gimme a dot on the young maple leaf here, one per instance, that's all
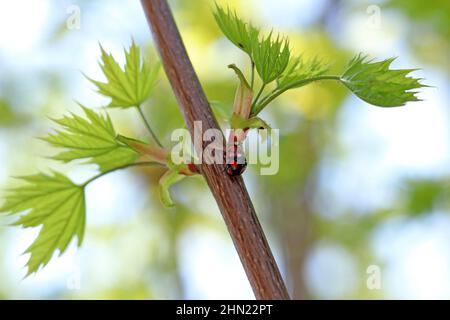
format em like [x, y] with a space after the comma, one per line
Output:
[53, 202]
[93, 138]
[376, 84]
[127, 87]
[241, 34]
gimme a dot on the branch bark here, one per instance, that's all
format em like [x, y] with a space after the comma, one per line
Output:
[230, 192]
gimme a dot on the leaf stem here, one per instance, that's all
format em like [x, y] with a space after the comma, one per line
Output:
[274, 94]
[147, 125]
[135, 164]
[258, 95]
[252, 79]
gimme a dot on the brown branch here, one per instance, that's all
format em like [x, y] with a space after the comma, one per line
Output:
[230, 192]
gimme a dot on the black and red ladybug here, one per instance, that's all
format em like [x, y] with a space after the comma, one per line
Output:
[235, 161]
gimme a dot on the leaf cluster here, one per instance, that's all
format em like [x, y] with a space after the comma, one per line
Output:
[53, 201]
[373, 82]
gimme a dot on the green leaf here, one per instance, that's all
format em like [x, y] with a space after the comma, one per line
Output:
[376, 84]
[132, 85]
[271, 57]
[93, 138]
[167, 180]
[371, 81]
[241, 34]
[53, 202]
[298, 70]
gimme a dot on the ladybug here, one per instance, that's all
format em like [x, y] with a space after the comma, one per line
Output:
[235, 161]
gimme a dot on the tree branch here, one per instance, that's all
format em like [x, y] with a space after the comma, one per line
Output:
[230, 192]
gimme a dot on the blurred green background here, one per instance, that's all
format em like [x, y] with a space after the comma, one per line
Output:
[358, 185]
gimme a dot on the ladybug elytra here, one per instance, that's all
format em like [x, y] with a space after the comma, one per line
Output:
[235, 161]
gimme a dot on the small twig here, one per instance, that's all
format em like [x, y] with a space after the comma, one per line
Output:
[252, 79]
[258, 95]
[147, 125]
[257, 108]
[129, 165]
[230, 192]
